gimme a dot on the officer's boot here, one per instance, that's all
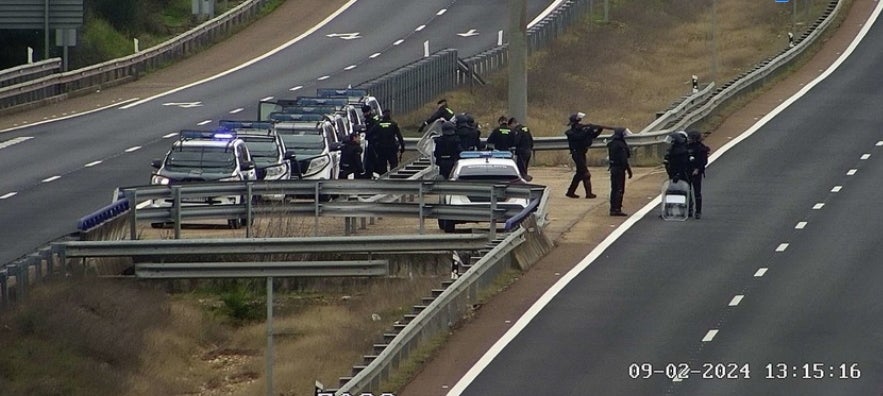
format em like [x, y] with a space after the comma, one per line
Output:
[698, 214]
[587, 183]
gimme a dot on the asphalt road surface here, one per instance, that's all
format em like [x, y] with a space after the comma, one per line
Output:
[774, 292]
[60, 171]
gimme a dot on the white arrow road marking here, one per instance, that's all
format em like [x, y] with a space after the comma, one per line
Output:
[8, 195]
[345, 36]
[51, 179]
[470, 33]
[183, 105]
[17, 140]
[91, 164]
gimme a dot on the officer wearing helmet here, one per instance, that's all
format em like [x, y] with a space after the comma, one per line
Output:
[618, 153]
[677, 159]
[579, 139]
[442, 112]
[351, 157]
[698, 154]
[447, 150]
[371, 160]
[468, 134]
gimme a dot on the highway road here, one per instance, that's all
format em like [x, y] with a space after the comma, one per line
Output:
[59, 171]
[776, 291]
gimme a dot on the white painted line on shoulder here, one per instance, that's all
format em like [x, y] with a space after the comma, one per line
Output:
[323, 78]
[851, 172]
[266, 99]
[46, 121]
[204, 122]
[399, 41]
[419, 28]
[865, 156]
[51, 179]
[133, 148]
[17, 140]
[350, 67]
[374, 55]
[782, 247]
[8, 195]
[836, 188]
[441, 11]
[91, 164]
[295, 88]
[736, 300]
[234, 111]
[170, 135]
[801, 225]
[710, 335]
[760, 272]
[818, 206]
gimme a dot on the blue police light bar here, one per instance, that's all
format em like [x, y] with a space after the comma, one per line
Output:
[215, 135]
[486, 154]
[348, 92]
[276, 116]
[319, 101]
[236, 124]
[309, 109]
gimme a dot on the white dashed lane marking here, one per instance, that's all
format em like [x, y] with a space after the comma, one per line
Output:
[170, 135]
[419, 28]
[91, 164]
[441, 11]
[851, 172]
[399, 41]
[17, 140]
[374, 55]
[801, 225]
[760, 272]
[266, 99]
[736, 300]
[134, 148]
[866, 156]
[204, 122]
[782, 247]
[234, 111]
[880, 143]
[323, 78]
[710, 335]
[296, 88]
[51, 179]
[8, 195]
[818, 206]
[836, 188]
[350, 67]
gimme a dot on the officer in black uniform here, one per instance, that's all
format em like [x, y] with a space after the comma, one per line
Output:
[468, 134]
[447, 150]
[523, 146]
[442, 112]
[698, 153]
[677, 159]
[470, 121]
[618, 153]
[501, 138]
[388, 144]
[371, 160]
[351, 157]
[579, 139]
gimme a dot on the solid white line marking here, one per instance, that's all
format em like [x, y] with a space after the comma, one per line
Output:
[710, 335]
[550, 293]
[169, 135]
[91, 164]
[736, 300]
[234, 111]
[851, 172]
[323, 78]
[204, 122]
[26, 125]
[350, 67]
[266, 99]
[836, 188]
[399, 41]
[133, 148]
[51, 179]
[374, 55]
[441, 11]
[760, 272]
[8, 195]
[296, 88]
[255, 60]
[801, 225]
[782, 247]
[865, 156]
[818, 206]
[419, 28]
[17, 140]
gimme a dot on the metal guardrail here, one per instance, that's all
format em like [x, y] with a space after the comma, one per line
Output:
[30, 71]
[128, 68]
[262, 269]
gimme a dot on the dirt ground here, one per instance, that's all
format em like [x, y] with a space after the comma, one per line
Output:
[577, 224]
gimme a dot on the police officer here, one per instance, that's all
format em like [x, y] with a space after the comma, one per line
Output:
[468, 134]
[618, 154]
[388, 144]
[370, 157]
[579, 139]
[351, 157]
[523, 146]
[470, 121]
[442, 112]
[677, 159]
[698, 153]
[447, 150]
[501, 138]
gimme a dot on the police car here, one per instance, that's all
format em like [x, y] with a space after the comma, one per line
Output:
[492, 167]
[204, 156]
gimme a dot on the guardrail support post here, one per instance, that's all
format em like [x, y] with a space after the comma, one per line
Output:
[4, 289]
[420, 206]
[131, 195]
[316, 202]
[21, 281]
[492, 232]
[176, 210]
[269, 352]
[248, 216]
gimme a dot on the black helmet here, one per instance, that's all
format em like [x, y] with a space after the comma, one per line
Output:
[460, 118]
[447, 128]
[366, 108]
[470, 120]
[694, 136]
[576, 117]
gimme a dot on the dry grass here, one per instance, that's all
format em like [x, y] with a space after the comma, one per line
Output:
[118, 338]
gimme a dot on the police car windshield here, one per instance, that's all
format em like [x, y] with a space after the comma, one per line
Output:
[216, 159]
[304, 145]
[489, 173]
[263, 148]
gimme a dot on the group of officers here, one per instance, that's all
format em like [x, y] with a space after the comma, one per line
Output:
[685, 159]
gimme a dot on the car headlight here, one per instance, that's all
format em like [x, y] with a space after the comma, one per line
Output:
[159, 180]
[274, 172]
[317, 164]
